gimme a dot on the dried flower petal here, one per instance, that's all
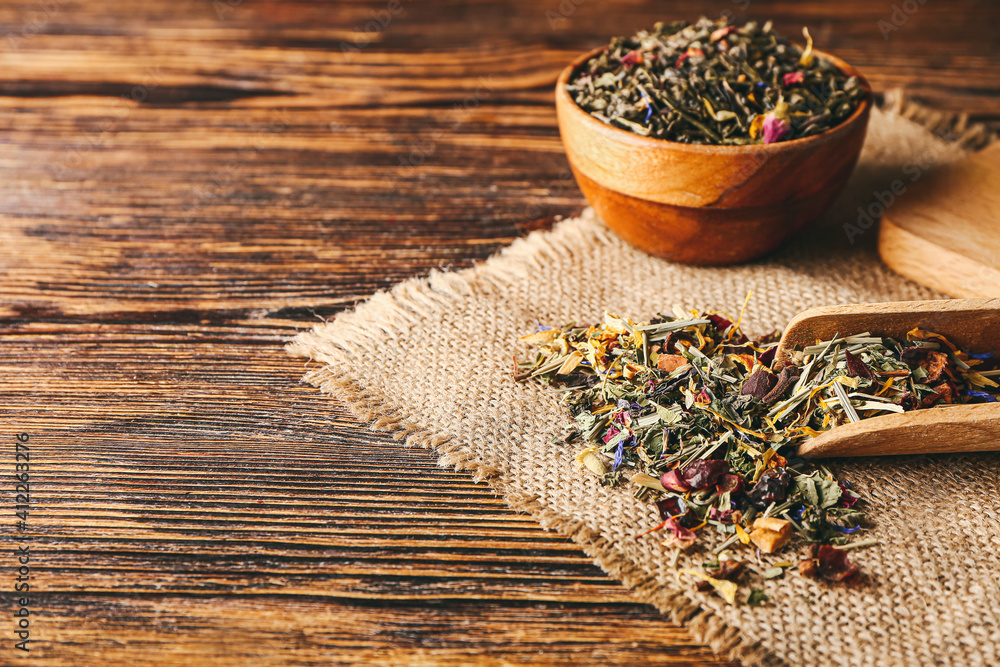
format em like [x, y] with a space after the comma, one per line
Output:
[672, 480]
[728, 570]
[834, 565]
[672, 506]
[857, 368]
[986, 398]
[932, 361]
[722, 517]
[731, 484]
[726, 589]
[767, 358]
[792, 78]
[632, 58]
[703, 473]
[775, 129]
[682, 537]
[806, 59]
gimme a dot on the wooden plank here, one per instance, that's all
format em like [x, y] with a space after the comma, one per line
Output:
[945, 233]
[196, 504]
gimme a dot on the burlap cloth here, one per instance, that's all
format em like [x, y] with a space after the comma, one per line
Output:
[431, 361]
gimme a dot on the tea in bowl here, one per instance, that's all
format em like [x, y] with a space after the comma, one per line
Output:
[721, 186]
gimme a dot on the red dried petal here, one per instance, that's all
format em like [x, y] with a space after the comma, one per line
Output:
[775, 129]
[703, 473]
[857, 368]
[683, 537]
[719, 322]
[834, 565]
[731, 484]
[672, 507]
[722, 517]
[767, 358]
[632, 58]
[672, 480]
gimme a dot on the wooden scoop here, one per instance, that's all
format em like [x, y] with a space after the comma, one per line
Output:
[971, 324]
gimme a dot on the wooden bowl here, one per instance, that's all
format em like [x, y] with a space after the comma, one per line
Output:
[707, 205]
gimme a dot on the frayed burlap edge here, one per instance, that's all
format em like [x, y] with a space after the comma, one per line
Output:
[387, 314]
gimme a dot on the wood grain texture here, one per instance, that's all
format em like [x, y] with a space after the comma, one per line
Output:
[272, 163]
[971, 324]
[968, 323]
[945, 233]
[944, 430]
[703, 204]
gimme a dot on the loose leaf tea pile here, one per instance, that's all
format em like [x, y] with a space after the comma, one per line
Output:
[715, 83]
[700, 418]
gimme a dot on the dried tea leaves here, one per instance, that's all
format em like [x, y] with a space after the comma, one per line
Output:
[715, 83]
[692, 412]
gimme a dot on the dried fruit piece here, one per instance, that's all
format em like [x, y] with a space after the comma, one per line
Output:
[670, 362]
[834, 565]
[759, 384]
[771, 534]
[786, 379]
[771, 487]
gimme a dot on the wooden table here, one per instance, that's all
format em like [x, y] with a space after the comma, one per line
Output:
[186, 185]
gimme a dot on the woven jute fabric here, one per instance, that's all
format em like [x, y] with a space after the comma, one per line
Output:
[431, 361]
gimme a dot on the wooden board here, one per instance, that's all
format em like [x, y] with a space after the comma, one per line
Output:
[193, 502]
[944, 231]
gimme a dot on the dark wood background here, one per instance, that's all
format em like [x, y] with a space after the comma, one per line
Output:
[183, 186]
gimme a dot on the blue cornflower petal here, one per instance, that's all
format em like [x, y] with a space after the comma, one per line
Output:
[845, 530]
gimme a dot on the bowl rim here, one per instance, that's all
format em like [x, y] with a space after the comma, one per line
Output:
[564, 99]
